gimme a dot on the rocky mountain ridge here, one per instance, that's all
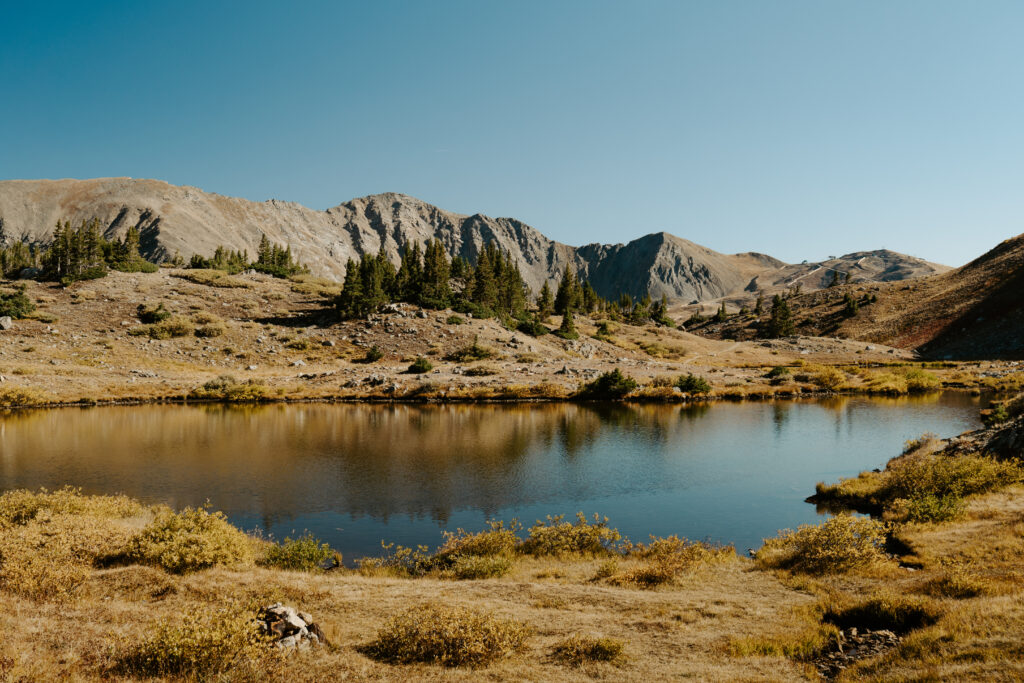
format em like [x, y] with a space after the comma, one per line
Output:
[185, 220]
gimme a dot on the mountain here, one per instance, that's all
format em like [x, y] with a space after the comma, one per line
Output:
[973, 312]
[969, 313]
[185, 220]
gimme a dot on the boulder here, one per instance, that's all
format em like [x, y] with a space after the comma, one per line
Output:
[6, 322]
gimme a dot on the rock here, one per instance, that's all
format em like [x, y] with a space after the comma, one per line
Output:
[252, 367]
[305, 616]
[298, 363]
[6, 323]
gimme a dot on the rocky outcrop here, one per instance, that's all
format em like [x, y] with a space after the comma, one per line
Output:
[185, 220]
[851, 646]
[289, 628]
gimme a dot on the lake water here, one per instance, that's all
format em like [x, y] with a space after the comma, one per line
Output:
[358, 474]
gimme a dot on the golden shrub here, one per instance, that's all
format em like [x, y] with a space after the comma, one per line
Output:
[578, 650]
[190, 540]
[198, 645]
[450, 636]
[841, 543]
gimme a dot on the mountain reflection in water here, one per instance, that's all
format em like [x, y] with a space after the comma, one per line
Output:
[356, 474]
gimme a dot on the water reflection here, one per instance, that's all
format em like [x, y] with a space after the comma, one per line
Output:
[355, 474]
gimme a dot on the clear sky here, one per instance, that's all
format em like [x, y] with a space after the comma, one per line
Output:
[797, 128]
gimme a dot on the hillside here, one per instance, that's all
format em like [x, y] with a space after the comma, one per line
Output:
[185, 220]
[970, 313]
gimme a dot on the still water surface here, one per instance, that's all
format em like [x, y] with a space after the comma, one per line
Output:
[356, 474]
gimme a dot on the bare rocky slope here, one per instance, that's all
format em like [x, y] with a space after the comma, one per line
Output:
[185, 220]
[974, 312]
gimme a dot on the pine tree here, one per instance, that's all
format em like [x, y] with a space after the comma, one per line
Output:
[545, 302]
[566, 296]
[780, 324]
[759, 306]
[350, 300]
[485, 290]
[437, 290]
[567, 330]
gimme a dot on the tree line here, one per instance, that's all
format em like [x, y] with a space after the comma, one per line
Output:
[75, 253]
[491, 287]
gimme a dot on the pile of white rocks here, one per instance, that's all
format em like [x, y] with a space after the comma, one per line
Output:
[290, 628]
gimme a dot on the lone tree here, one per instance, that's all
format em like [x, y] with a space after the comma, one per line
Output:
[780, 324]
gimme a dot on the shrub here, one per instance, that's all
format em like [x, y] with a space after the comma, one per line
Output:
[16, 304]
[472, 352]
[692, 384]
[482, 371]
[305, 553]
[450, 636]
[471, 567]
[210, 330]
[300, 345]
[373, 354]
[829, 378]
[420, 366]
[930, 487]
[188, 541]
[610, 385]
[151, 314]
[578, 650]
[559, 537]
[227, 388]
[841, 543]
[174, 326]
[532, 327]
[198, 646]
[205, 318]
[780, 374]
[669, 557]
[496, 539]
[455, 320]
[21, 397]
[398, 560]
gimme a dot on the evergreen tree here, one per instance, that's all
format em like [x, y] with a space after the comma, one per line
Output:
[485, 289]
[835, 279]
[722, 315]
[566, 296]
[567, 330]
[545, 302]
[349, 302]
[780, 324]
[436, 290]
[589, 298]
[759, 306]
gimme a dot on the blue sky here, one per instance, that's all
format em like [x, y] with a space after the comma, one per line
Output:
[800, 129]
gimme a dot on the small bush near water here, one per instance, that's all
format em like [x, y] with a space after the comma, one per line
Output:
[305, 553]
[923, 487]
[693, 384]
[559, 537]
[664, 559]
[227, 388]
[610, 385]
[192, 539]
[449, 636]
[841, 543]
